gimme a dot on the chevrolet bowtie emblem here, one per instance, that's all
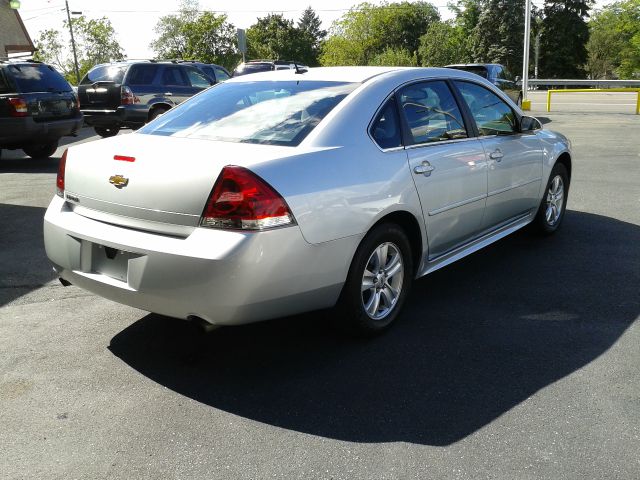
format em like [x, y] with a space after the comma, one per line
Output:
[118, 181]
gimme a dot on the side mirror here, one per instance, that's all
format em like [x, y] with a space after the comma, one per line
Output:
[529, 124]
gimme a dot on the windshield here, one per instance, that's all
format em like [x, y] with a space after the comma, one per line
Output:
[266, 112]
[105, 73]
[38, 78]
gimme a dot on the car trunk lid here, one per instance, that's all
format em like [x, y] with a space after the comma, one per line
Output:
[150, 182]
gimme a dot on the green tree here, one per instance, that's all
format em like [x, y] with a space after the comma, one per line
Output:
[614, 41]
[275, 38]
[195, 35]
[310, 28]
[95, 43]
[563, 39]
[368, 30]
[444, 43]
[391, 57]
[498, 35]
[466, 20]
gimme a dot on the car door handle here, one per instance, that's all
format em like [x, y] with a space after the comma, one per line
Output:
[168, 94]
[425, 169]
[496, 155]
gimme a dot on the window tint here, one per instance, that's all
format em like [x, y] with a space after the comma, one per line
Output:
[477, 69]
[38, 78]
[197, 78]
[105, 73]
[4, 83]
[492, 115]
[142, 74]
[431, 112]
[271, 113]
[500, 74]
[173, 76]
[221, 75]
[386, 128]
[209, 72]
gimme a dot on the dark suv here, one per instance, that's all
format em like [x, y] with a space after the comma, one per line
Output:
[496, 74]
[37, 108]
[131, 93]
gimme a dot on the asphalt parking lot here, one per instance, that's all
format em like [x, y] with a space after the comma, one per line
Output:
[520, 362]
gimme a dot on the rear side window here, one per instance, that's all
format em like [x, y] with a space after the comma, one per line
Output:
[478, 70]
[4, 83]
[38, 78]
[173, 76]
[385, 130]
[142, 74]
[105, 73]
[431, 112]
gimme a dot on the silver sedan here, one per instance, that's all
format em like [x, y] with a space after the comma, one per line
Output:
[279, 193]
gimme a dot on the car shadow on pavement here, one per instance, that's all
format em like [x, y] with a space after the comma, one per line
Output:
[20, 163]
[23, 263]
[475, 340]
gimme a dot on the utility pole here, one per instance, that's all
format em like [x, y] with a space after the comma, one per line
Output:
[527, 35]
[537, 50]
[73, 44]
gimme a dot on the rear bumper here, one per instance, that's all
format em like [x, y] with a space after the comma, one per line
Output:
[20, 131]
[123, 116]
[224, 277]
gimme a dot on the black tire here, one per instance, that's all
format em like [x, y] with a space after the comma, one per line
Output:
[156, 112]
[106, 132]
[41, 150]
[351, 313]
[542, 224]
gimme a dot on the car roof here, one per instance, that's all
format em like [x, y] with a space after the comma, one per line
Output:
[350, 74]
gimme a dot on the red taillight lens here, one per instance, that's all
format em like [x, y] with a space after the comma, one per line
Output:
[127, 97]
[60, 178]
[242, 200]
[18, 107]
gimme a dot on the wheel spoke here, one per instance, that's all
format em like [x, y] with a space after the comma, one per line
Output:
[389, 297]
[549, 213]
[373, 304]
[381, 254]
[396, 266]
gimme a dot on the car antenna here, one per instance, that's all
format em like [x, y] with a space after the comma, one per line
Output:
[298, 71]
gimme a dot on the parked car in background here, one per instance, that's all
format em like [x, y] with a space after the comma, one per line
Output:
[276, 193]
[496, 74]
[131, 93]
[217, 73]
[37, 108]
[256, 66]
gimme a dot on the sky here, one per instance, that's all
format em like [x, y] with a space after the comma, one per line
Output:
[134, 20]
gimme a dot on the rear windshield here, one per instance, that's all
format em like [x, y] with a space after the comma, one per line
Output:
[105, 73]
[482, 71]
[38, 78]
[253, 68]
[271, 113]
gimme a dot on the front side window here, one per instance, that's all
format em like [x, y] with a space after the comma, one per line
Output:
[265, 112]
[491, 114]
[431, 112]
[221, 75]
[197, 79]
[385, 130]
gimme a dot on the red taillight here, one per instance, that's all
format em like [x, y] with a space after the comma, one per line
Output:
[127, 97]
[60, 178]
[242, 200]
[124, 158]
[18, 107]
